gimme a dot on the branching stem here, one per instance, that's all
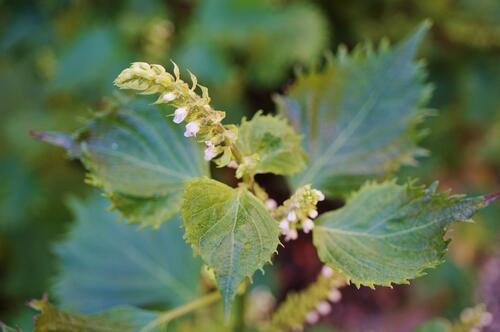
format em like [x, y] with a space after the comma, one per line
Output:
[182, 310]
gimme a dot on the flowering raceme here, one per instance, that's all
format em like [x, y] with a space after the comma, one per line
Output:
[203, 122]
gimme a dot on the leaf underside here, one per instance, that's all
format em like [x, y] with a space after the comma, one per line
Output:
[359, 114]
[230, 229]
[389, 233]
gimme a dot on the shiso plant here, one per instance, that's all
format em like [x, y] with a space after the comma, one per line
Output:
[341, 130]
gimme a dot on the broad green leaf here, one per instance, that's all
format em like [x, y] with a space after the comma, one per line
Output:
[276, 143]
[389, 233]
[104, 262]
[231, 230]
[139, 158]
[123, 319]
[359, 114]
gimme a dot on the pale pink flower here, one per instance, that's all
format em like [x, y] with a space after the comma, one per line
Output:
[192, 129]
[180, 114]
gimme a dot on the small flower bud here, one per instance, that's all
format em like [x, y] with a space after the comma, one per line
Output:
[313, 214]
[312, 317]
[271, 204]
[486, 319]
[324, 308]
[192, 129]
[291, 235]
[326, 271]
[284, 226]
[334, 295]
[292, 216]
[180, 114]
[169, 96]
[209, 153]
[232, 164]
[307, 225]
[319, 194]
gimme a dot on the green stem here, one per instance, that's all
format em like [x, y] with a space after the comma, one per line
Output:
[182, 310]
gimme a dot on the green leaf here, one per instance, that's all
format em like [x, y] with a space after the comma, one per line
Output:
[104, 262]
[123, 319]
[231, 230]
[389, 233]
[139, 158]
[359, 114]
[275, 142]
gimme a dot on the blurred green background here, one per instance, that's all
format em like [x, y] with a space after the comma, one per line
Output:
[58, 59]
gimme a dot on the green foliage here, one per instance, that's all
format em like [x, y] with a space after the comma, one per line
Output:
[123, 319]
[231, 230]
[275, 144]
[104, 262]
[294, 33]
[358, 114]
[60, 57]
[139, 159]
[389, 233]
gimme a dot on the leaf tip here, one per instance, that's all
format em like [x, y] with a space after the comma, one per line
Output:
[58, 139]
[491, 198]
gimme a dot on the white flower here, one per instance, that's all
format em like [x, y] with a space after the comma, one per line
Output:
[313, 214]
[169, 96]
[312, 317]
[326, 271]
[192, 129]
[284, 226]
[291, 216]
[232, 164]
[334, 295]
[319, 194]
[210, 153]
[291, 235]
[271, 204]
[324, 308]
[180, 114]
[307, 225]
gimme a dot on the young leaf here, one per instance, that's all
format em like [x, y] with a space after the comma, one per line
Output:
[276, 143]
[359, 114]
[104, 262]
[140, 159]
[123, 319]
[389, 233]
[230, 229]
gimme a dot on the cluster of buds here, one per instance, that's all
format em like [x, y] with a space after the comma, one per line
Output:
[298, 212]
[202, 121]
[476, 318]
[324, 307]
